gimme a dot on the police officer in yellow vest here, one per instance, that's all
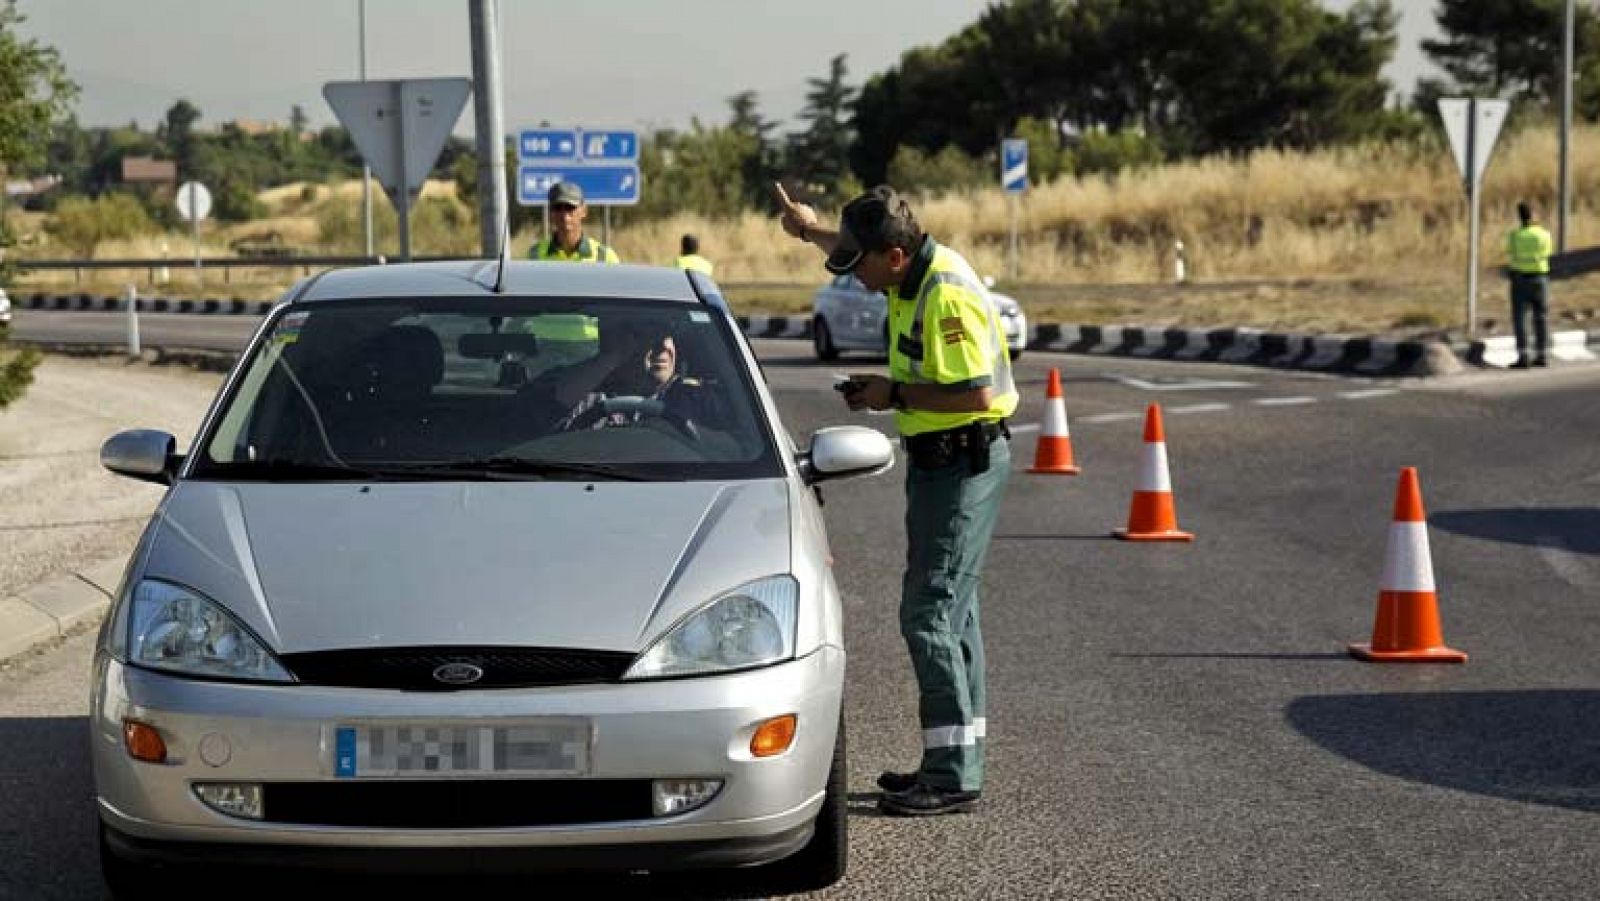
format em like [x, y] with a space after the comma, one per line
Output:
[1529, 250]
[690, 258]
[567, 242]
[951, 388]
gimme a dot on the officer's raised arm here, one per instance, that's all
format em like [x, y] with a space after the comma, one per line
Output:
[800, 220]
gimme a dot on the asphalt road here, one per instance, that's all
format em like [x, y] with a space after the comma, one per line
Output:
[1172, 721]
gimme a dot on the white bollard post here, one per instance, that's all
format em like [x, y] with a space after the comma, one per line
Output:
[1180, 269]
[134, 351]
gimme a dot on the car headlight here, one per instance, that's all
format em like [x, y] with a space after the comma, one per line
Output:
[174, 629]
[751, 626]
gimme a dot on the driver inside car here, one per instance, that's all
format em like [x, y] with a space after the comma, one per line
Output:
[636, 376]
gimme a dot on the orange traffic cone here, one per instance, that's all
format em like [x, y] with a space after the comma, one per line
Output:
[1053, 452]
[1407, 627]
[1152, 516]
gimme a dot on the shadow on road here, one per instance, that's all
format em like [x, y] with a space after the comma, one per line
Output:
[1574, 529]
[1539, 747]
[48, 849]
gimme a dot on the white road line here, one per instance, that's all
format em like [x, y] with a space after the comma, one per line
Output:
[1283, 401]
[1200, 408]
[1370, 392]
[1110, 417]
[1028, 427]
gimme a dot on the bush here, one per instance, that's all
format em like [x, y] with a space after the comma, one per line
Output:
[440, 226]
[916, 171]
[16, 370]
[81, 223]
[1101, 151]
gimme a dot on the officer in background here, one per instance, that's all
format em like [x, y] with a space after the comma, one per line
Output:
[566, 241]
[1528, 248]
[951, 389]
[690, 258]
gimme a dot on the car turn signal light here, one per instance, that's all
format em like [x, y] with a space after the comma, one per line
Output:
[144, 742]
[774, 736]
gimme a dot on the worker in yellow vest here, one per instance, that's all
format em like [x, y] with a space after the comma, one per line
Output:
[567, 242]
[951, 389]
[689, 256]
[1528, 249]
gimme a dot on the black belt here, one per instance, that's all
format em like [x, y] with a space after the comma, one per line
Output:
[932, 450]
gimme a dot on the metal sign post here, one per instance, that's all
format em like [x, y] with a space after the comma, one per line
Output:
[1014, 181]
[1473, 125]
[194, 204]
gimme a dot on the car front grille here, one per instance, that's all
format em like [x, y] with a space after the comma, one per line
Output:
[415, 669]
[457, 804]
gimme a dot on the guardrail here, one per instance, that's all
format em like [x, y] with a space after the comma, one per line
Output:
[226, 264]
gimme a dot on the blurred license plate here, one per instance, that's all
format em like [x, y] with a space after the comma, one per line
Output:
[546, 747]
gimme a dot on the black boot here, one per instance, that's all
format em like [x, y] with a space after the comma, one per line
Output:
[891, 781]
[926, 801]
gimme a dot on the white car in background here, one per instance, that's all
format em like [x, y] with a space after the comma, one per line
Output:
[846, 316]
[5, 307]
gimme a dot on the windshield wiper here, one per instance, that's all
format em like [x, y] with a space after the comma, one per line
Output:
[524, 467]
[282, 470]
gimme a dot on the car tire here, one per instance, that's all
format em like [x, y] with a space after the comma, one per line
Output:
[822, 861]
[822, 340]
[126, 880]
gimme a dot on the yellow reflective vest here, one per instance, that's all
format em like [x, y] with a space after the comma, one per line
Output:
[945, 329]
[587, 251]
[696, 262]
[1529, 250]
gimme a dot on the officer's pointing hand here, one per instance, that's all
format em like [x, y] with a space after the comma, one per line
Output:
[796, 217]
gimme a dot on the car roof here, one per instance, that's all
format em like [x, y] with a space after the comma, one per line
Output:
[467, 278]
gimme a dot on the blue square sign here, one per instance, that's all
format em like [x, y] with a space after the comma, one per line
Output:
[1014, 165]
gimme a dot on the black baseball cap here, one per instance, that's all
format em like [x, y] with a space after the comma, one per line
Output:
[869, 222]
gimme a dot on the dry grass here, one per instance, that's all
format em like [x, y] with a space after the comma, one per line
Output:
[1360, 239]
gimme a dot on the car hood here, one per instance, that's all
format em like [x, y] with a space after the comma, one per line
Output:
[606, 565]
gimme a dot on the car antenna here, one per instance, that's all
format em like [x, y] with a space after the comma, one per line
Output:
[505, 257]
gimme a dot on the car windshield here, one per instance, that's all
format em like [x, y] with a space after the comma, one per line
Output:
[503, 388]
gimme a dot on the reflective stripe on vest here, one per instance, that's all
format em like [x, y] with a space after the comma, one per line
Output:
[998, 353]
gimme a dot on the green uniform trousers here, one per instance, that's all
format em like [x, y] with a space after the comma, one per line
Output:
[950, 517]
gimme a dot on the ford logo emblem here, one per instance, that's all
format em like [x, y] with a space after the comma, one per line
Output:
[458, 673]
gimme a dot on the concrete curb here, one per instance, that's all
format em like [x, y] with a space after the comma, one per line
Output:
[53, 608]
[211, 306]
[1246, 346]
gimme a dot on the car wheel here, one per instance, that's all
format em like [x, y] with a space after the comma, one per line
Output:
[126, 880]
[822, 340]
[822, 861]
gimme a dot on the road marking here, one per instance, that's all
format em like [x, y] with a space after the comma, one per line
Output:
[1369, 392]
[1200, 408]
[1028, 427]
[1573, 569]
[1283, 401]
[1185, 385]
[1110, 417]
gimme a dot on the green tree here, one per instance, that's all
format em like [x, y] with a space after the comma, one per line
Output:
[35, 94]
[762, 163]
[1512, 49]
[176, 131]
[819, 156]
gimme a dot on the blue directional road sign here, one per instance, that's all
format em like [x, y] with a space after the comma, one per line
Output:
[602, 185]
[1014, 165]
[609, 146]
[547, 145]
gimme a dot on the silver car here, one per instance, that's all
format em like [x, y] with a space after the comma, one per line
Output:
[469, 568]
[846, 316]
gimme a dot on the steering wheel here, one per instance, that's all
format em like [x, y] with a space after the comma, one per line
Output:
[648, 409]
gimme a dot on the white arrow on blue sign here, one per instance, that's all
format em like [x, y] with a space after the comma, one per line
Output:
[603, 185]
[1014, 165]
[548, 144]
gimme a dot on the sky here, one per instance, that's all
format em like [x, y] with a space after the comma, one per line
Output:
[597, 64]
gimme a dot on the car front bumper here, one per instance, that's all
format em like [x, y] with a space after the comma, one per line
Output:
[687, 728]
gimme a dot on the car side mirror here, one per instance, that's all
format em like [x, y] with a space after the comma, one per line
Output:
[843, 452]
[144, 454]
